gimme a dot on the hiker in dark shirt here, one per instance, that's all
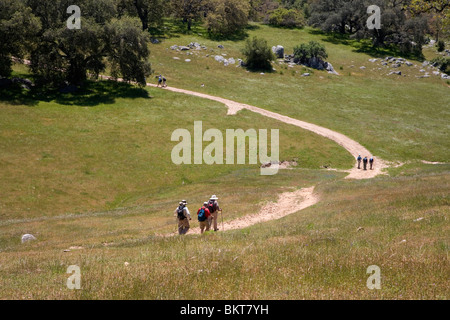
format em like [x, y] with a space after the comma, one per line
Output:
[365, 163]
[359, 161]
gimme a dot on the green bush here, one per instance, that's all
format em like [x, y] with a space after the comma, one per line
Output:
[306, 51]
[440, 46]
[442, 63]
[258, 54]
[289, 18]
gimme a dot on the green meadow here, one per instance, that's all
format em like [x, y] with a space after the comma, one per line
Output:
[92, 171]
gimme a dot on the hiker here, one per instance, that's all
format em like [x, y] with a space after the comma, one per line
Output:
[365, 163]
[160, 81]
[202, 215]
[164, 82]
[371, 163]
[213, 207]
[359, 161]
[183, 216]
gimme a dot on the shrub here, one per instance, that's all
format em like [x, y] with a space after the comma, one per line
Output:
[305, 51]
[289, 18]
[440, 46]
[442, 63]
[258, 54]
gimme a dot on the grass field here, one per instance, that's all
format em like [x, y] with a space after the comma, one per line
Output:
[93, 170]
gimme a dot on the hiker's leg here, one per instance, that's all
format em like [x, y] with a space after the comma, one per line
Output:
[186, 226]
[203, 225]
[215, 215]
[180, 226]
[209, 223]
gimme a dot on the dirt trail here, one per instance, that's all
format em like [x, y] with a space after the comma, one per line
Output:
[350, 145]
[288, 202]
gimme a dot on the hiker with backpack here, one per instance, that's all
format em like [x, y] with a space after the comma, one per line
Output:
[371, 163]
[213, 207]
[183, 216]
[202, 215]
[160, 81]
[365, 163]
[359, 161]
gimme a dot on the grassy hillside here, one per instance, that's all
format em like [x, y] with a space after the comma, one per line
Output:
[90, 175]
[396, 117]
[320, 253]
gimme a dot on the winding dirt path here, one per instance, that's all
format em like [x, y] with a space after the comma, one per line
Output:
[288, 202]
[350, 145]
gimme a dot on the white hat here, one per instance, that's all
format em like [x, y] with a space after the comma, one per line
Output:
[206, 202]
[214, 197]
[184, 201]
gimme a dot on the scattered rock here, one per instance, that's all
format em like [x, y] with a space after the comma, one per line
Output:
[231, 61]
[278, 51]
[174, 47]
[306, 75]
[330, 69]
[396, 65]
[187, 60]
[176, 58]
[219, 58]
[418, 219]
[399, 73]
[183, 48]
[28, 237]
[373, 60]
[363, 67]
[154, 40]
[409, 64]
[220, 46]
[360, 229]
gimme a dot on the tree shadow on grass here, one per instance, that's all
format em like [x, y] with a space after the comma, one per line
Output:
[365, 46]
[236, 36]
[91, 94]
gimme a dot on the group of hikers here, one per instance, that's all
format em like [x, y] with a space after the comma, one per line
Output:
[161, 81]
[365, 161]
[207, 215]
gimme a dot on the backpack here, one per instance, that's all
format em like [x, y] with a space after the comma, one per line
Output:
[202, 214]
[180, 212]
[212, 206]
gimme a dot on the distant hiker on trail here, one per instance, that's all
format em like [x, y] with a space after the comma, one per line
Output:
[203, 215]
[371, 163]
[365, 163]
[359, 161]
[159, 81]
[164, 82]
[183, 216]
[213, 207]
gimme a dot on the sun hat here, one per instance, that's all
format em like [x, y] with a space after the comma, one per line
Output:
[214, 197]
